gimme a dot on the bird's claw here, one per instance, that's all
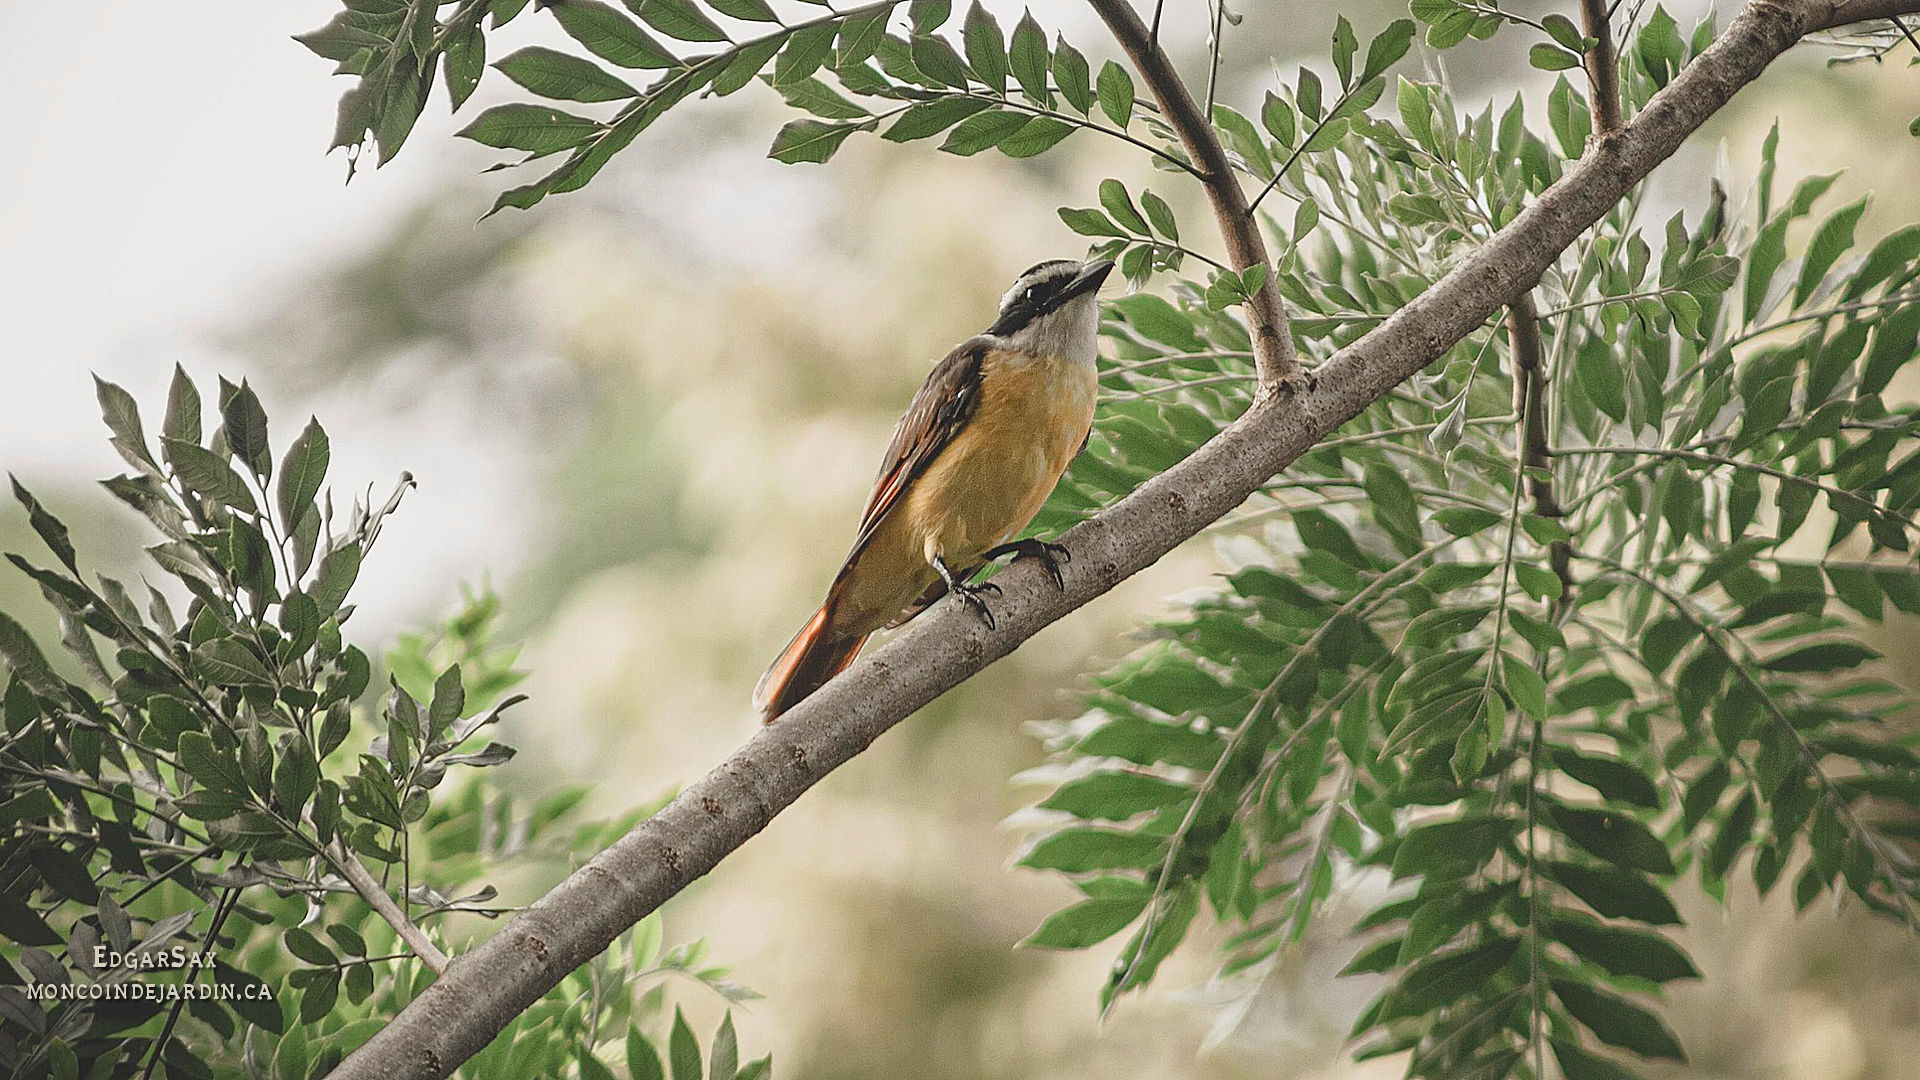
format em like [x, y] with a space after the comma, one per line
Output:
[1051, 555]
[972, 596]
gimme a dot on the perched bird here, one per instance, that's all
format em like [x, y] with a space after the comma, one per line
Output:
[979, 451]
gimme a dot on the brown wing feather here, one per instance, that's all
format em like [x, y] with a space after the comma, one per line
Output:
[939, 410]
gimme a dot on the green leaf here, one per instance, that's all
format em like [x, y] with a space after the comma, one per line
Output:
[1159, 321]
[746, 10]
[1446, 977]
[1089, 222]
[1451, 849]
[1622, 951]
[295, 778]
[809, 140]
[986, 49]
[1830, 656]
[1160, 214]
[1393, 503]
[1615, 893]
[229, 663]
[1086, 849]
[1113, 196]
[302, 944]
[1618, 1021]
[23, 925]
[1072, 76]
[678, 19]
[983, 131]
[465, 63]
[860, 36]
[245, 423]
[208, 475]
[338, 569]
[928, 15]
[302, 472]
[1562, 30]
[1115, 796]
[210, 766]
[1568, 117]
[1344, 47]
[935, 58]
[1579, 1064]
[1387, 47]
[1035, 137]
[1552, 58]
[683, 1050]
[1027, 56]
[1116, 94]
[1088, 922]
[183, 409]
[65, 873]
[122, 415]
[929, 118]
[818, 98]
[643, 1061]
[610, 35]
[1528, 689]
[724, 1061]
[1613, 836]
[554, 74]
[1833, 239]
[1611, 777]
[537, 129]
[806, 49]
[49, 528]
[1465, 520]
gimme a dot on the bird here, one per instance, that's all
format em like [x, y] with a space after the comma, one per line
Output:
[987, 437]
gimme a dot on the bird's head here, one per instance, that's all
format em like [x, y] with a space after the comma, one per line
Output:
[1053, 306]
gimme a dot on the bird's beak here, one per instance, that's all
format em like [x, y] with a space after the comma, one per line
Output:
[1089, 279]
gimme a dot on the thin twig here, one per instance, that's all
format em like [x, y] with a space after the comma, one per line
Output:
[1529, 391]
[1274, 356]
[357, 875]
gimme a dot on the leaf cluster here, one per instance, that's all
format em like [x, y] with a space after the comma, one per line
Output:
[197, 777]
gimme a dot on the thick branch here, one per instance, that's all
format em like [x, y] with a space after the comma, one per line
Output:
[1273, 353]
[485, 989]
[1530, 402]
[1602, 65]
[376, 897]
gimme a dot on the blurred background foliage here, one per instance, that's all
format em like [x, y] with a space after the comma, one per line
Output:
[658, 404]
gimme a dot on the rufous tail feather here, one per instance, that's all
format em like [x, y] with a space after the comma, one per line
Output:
[804, 666]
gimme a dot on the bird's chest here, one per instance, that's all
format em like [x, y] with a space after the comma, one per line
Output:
[1031, 418]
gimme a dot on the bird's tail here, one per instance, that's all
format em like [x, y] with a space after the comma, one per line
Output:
[805, 665]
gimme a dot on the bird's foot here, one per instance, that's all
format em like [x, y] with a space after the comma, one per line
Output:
[973, 596]
[1050, 555]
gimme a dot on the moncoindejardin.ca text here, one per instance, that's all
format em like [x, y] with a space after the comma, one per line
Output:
[140, 991]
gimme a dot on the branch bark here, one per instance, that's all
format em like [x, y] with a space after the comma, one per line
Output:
[1602, 65]
[1274, 358]
[484, 989]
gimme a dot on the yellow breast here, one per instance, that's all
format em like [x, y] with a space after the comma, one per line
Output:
[989, 482]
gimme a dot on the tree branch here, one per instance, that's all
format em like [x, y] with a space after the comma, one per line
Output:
[1530, 401]
[376, 897]
[1274, 357]
[1603, 74]
[483, 990]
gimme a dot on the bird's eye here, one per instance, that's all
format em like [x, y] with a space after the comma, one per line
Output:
[1031, 295]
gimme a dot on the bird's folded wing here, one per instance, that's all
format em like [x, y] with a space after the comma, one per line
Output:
[941, 408]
